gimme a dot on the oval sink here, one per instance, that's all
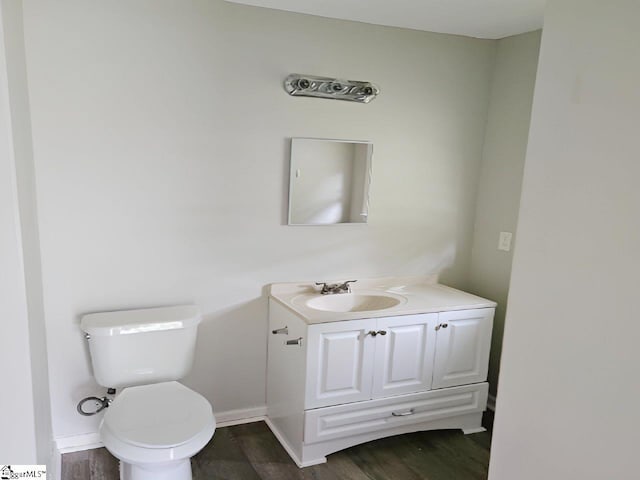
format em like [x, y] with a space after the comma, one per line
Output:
[352, 302]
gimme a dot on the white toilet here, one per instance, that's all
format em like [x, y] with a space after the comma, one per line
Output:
[155, 424]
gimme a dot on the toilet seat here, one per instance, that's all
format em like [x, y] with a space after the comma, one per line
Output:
[158, 422]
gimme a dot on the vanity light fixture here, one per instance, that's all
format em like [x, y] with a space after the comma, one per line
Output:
[324, 87]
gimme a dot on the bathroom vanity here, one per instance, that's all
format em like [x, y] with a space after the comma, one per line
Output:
[395, 355]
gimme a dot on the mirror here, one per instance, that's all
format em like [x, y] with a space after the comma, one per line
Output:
[329, 181]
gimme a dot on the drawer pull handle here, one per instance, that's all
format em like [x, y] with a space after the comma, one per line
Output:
[297, 341]
[403, 414]
[279, 331]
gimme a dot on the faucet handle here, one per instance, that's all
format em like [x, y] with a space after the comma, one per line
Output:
[326, 288]
[345, 285]
[335, 287]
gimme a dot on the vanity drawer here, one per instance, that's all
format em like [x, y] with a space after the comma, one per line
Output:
[340, 421]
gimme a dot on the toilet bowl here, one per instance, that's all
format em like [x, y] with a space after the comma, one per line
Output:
[155, 429]
[155, 424]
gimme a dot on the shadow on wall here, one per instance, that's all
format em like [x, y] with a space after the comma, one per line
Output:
[224, 331]
[229, 332]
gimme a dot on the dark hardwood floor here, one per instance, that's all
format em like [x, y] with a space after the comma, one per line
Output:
[251, 452]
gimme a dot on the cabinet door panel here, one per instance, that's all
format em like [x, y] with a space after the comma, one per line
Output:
[404, 355]
[462, 347]
[340, 363]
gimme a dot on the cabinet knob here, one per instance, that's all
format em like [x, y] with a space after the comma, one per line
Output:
[373, 333]
[441, 325]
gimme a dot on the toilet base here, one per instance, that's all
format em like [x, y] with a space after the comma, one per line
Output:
[180, 470]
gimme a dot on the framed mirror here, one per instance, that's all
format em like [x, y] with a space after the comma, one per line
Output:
[329, 181]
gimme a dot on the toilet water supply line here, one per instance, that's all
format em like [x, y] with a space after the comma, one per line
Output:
[99, 403]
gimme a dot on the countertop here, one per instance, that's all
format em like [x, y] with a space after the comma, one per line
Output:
[415, 295]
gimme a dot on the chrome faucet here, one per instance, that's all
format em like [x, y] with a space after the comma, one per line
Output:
[333, 288]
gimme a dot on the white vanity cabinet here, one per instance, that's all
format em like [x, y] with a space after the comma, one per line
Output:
[339, 362]
[341, 383]
[358, 360]
[462, 347]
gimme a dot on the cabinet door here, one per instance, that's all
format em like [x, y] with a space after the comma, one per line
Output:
[463, 339]
[404, 354]
[339, 362]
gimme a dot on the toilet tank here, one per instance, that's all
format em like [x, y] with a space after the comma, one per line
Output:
[136, 347]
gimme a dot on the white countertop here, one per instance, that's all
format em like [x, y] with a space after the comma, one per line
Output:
[415, 294]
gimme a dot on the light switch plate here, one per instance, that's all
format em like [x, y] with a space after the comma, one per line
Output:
[504, 242]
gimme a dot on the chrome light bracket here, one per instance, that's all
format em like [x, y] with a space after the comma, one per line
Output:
[325, 87]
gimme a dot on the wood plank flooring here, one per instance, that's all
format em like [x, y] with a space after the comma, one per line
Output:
[251, 452]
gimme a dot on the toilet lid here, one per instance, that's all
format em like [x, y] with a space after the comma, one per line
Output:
[161, 415]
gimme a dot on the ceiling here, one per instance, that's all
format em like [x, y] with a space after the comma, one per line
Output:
[473, 18]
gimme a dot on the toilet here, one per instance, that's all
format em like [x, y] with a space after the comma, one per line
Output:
[155, 424]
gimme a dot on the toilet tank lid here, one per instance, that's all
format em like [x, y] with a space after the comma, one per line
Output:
[125, 322]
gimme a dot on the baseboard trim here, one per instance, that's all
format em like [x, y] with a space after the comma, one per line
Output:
[88, 441]
[287, 447]
[491, 403]
[69, 444]
[78, 443]
[469, 431]
[240, 416]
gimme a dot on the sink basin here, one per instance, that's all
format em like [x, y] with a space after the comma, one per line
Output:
[352, 302]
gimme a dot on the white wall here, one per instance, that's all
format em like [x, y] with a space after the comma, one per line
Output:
[17, 417]
[500, 180]
[568, 396]
[23, 150]
[161, 147]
